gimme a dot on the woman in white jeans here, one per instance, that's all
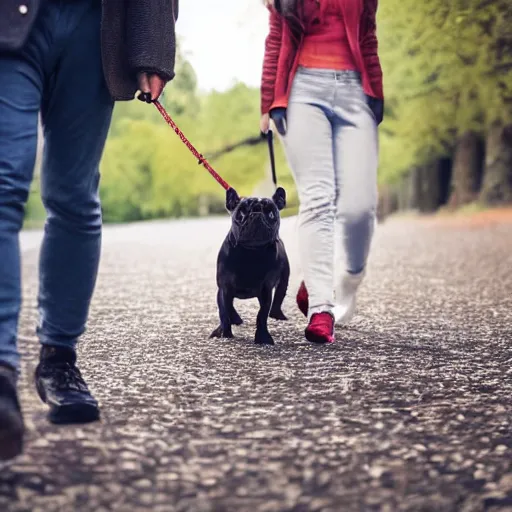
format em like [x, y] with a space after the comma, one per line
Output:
[322, 87]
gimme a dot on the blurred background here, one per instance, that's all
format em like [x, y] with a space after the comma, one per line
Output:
[446, 141]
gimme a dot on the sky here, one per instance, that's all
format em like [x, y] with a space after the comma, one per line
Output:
[223, 40]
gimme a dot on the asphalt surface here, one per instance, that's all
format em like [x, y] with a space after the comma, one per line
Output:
[411, 409]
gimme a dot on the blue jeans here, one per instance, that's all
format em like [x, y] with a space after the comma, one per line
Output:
[59, 74]
[332, 146]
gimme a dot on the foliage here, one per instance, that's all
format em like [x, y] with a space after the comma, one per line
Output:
[149, 173]
[447, 69]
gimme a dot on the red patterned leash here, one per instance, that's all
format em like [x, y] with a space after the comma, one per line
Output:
[201, 160]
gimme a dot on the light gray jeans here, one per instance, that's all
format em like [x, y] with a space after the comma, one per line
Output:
[332, 148]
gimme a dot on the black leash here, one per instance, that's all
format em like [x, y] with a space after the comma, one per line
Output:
[250, 141]
[270, 141]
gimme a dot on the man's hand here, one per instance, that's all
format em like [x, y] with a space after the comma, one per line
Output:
[151, 86]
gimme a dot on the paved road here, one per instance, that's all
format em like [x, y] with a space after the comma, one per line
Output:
[409, 411]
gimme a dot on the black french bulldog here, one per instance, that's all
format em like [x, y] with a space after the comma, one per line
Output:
[252, 262]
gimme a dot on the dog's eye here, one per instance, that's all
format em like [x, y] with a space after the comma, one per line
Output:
[271, 215]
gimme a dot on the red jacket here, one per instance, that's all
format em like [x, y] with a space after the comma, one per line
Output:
[281, 54]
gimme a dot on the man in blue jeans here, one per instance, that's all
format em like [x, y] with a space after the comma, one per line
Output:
[68, 60]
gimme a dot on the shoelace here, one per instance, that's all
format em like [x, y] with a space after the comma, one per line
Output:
[67, 377]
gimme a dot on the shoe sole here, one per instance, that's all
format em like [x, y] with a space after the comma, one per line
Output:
[11, 436]
[317, 339]
[69, 414]
[73, 414]
[345, 318]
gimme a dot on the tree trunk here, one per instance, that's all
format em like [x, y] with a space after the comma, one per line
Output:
[402, 192]
[429, 191]
[431, 185]
[497, 181]
[414, 189]
[445, 178]
[388, 202]
[393, 201]
[467, 170]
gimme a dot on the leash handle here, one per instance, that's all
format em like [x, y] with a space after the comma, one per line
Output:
[270, 141]
[201, 160]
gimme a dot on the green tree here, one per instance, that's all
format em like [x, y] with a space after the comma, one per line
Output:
[447, 68]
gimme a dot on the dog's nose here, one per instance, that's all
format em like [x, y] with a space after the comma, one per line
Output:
[257, 208]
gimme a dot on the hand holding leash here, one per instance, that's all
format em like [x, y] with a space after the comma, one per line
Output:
[278, 115]
[151, 87]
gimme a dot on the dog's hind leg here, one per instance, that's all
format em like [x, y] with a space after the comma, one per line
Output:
[235, 317]
[263, 337]
[225, 304]
[281, 288]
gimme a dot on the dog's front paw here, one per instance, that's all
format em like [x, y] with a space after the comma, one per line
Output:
[278, 315]
[221, 333]
[263, 338]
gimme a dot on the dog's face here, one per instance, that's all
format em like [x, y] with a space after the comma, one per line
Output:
[255, 221]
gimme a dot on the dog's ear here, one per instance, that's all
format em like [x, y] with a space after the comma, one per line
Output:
[232, 199]
[279, 198]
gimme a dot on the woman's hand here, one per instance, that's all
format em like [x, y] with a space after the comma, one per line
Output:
[151, 86]
[278, 116]
[264, 123]
[377, 107]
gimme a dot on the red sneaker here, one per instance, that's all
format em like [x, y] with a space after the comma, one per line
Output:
[303, 299]
[320, 328]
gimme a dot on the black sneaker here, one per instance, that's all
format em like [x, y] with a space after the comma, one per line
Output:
[11, 420]
[60, 385]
